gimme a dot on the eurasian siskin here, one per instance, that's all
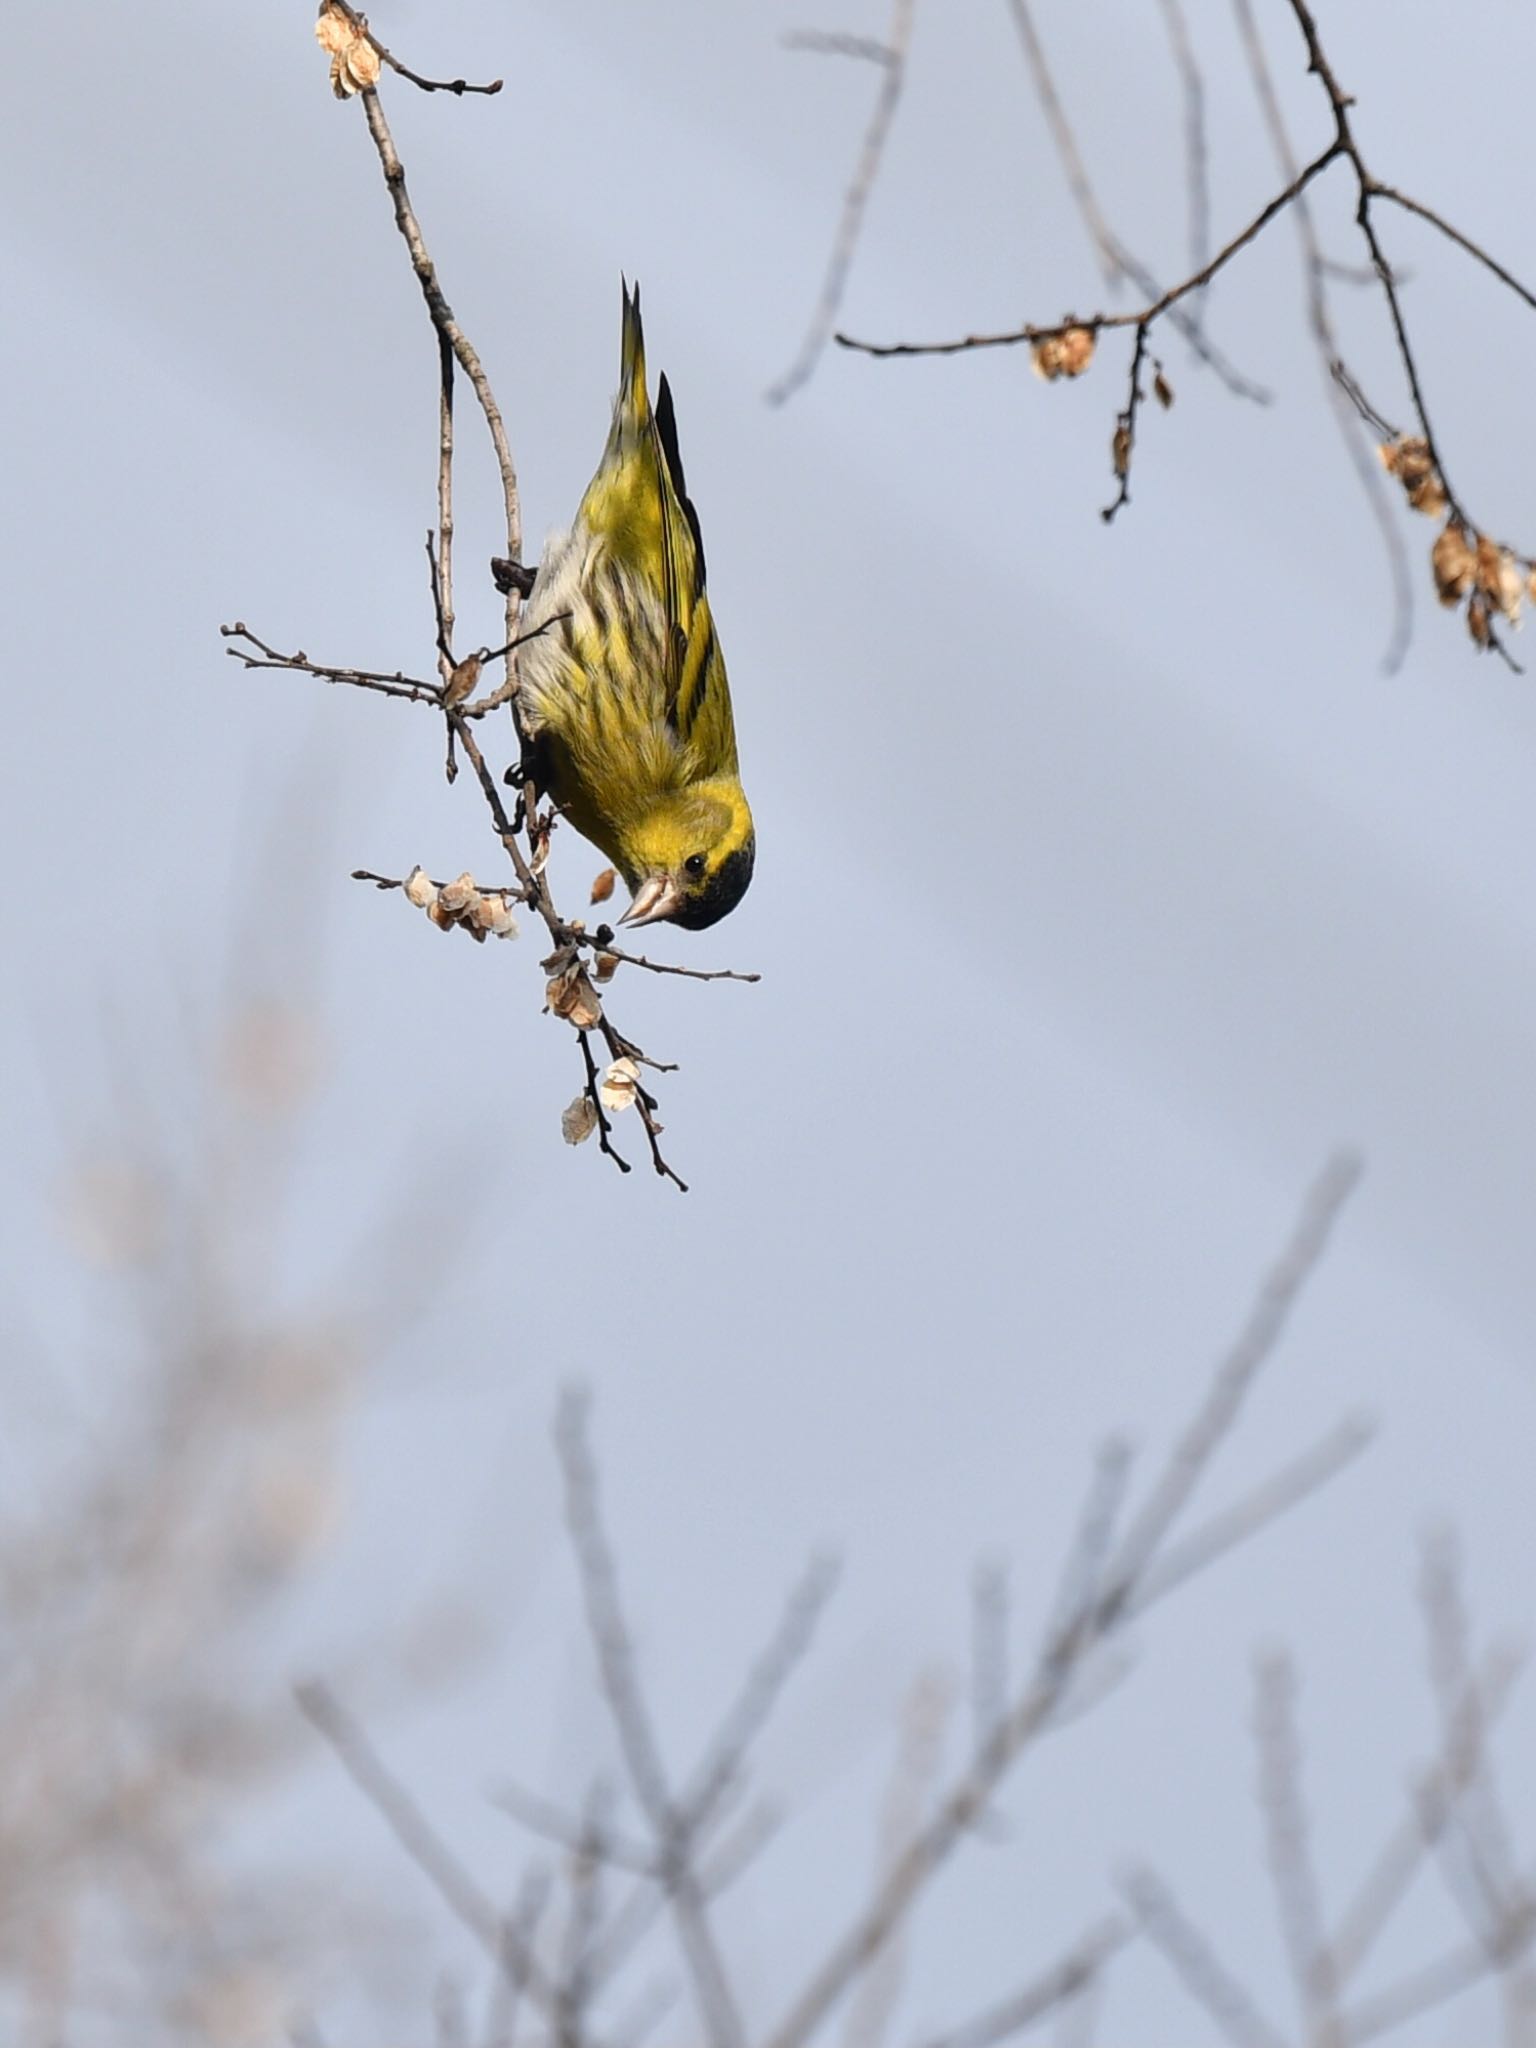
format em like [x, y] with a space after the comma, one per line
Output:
[623, 691]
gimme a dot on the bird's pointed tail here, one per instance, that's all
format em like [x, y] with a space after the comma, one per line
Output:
[632, 410]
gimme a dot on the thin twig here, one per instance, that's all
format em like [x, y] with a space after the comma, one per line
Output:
[723, 1761]
[1362, 460]
[1097, 323]
[991, 1680]
[1290, 1852]
[1201, 1971]
[593, 1091]
[393, 684]
[1422, 1990]
[574, 1978]
[574, 1832]
[1453, 234]
[442, 317]
[457, 86]
[1196, 153]
[1255, 1344]
[600, 941]
[1136, 1551]
[1492, 1893]
[1080, 1582]
[502, 2010]
[500, 1936]
[665, 966]
[918, 1752]
[1274, 1497]
[1368, 188]
[1123, 441]
[1115, 260]
[1112, 255]
[891, 56]
[767, 1675]
[632, 1724]
[1082, 1965]
[1431, 1805]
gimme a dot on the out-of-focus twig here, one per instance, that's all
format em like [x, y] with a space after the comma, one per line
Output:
[1081, 1966]
[1290, 1851]
[632, 1723]
[457, 86]
[1196, 151]
[1201, 1971]
[1116, 261]
[918, 1754]
[891, 57]
[1129, 1559]
[1367, 469]
[1432, 1803]
[500, 1934]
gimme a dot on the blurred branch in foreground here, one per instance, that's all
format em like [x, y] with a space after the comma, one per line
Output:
[640, 1877]
[174, 1476]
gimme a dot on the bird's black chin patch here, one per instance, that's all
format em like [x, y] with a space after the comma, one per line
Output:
[720, 892]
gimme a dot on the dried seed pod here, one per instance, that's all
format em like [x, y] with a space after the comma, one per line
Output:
[1066, 354]
[420, 889]
[617, 1087]
[463, 680]
[1479, 624]
[605, 966]
[1498, 578]
[1077, 346]
[1120, 449]
[578, 1120]
[354, 60]
[1162, 390]
[1454, 564]
[457, 896]
[1409, 460]
[572, 996]
[1511, 587]
[602, 886]
[1413, 463]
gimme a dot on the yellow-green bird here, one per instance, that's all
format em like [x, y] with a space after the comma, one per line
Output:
[623, 692]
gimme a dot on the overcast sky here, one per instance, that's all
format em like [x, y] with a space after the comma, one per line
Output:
[1105, 882]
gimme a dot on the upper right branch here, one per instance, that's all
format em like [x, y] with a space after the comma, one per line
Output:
[1489, 579]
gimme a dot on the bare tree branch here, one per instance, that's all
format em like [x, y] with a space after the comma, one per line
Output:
[502, 1937]
[1207, 1979]
[1132, 1556]
[632, 1723]
[1432, 1803]
[1082, 1966]
[1367, 469]
[1290, 1852]
[891, 56]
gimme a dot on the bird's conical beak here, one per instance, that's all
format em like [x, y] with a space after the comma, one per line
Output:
[657, 897]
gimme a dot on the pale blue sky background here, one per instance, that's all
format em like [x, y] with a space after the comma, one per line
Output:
[987, 1164]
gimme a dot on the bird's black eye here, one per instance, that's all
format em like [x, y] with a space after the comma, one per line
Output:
[694, 864]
